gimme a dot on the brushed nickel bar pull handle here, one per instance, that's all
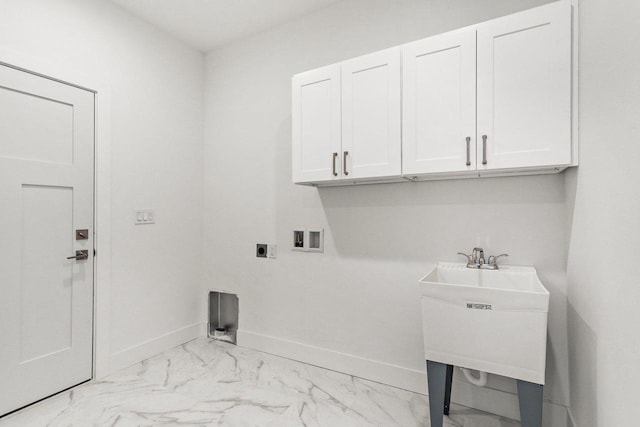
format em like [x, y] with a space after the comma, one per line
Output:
[468, 151]
[344, 162]
[484, 149]
[334, 164]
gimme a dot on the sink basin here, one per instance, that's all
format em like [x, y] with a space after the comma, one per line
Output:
[489, 320]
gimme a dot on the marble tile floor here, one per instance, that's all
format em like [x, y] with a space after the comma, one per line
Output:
[211, 383]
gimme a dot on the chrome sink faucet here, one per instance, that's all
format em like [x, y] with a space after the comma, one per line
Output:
[478, 256]
[477, 260]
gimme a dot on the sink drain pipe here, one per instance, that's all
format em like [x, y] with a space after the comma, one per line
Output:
[479, 380]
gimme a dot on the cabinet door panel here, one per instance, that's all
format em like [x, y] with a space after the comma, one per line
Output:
[524, 88]
[316, 124]
[371, 115]
[439, 75]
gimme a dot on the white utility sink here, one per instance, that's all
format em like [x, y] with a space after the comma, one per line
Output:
[489, 320]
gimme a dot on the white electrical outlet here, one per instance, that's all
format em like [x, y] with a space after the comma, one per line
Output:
[272, 251]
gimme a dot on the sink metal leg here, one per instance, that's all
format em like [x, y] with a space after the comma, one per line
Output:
[530, 399]
[439, 376]
[447, 389]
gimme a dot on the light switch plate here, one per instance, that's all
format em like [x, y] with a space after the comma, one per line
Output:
[144, 216]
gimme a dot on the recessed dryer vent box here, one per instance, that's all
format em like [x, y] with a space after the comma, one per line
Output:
[223, 316]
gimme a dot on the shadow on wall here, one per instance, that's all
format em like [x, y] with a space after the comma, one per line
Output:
[571, 190]
[556, 387]
[426, 220]
[583, 375]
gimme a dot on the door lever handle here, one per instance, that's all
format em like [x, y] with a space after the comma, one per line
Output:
[80, 255]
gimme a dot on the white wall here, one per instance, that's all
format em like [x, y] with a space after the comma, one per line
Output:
[157, 110]
[355, 307]
[603, 285]
[359, 297]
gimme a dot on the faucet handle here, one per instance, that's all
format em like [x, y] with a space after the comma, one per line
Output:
[478, 256]
[493, 259]
[469, 257]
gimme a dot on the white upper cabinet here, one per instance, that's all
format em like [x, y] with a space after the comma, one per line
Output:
[490, 99]
[371, 131]
[346, 120]
[439, 104]
[316, 125]
[524, 89]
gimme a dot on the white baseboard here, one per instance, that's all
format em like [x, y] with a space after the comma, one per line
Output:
[139, 352]
[484, 399]
[374, 370]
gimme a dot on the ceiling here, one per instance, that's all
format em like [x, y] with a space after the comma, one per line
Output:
[209, 24]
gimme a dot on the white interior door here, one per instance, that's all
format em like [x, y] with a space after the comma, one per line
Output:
[524, 89]
[371, 133]
[316, 125]
[46, 194]
[439, 104]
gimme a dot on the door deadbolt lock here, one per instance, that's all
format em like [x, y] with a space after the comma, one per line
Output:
[80, 255]
[82, 234]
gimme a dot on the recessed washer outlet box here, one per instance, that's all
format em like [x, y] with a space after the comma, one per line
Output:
[261, 250]
[308, 240]
[299, 240]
